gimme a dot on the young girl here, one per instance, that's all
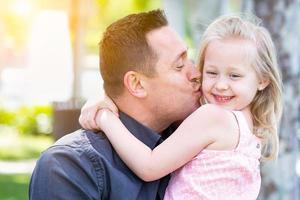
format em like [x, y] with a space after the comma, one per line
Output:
[216, 151]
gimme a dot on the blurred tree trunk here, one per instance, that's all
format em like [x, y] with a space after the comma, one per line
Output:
[78, 18]
[281, 18]
[66, 113]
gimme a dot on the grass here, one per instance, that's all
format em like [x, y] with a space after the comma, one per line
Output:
[14, 186]
[14, 146]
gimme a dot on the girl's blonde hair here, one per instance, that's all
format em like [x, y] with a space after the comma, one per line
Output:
[266, 107]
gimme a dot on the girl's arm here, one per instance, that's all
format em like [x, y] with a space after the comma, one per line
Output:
[199, 130]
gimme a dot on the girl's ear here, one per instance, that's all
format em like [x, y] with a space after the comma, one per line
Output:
[134, 83]
[263, 84]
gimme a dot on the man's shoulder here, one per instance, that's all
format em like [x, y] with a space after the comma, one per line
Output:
[69, 167]
[70, 151]
[68, 146]
[73, 139]
[71, 142]
[79, 141]
[80, 138]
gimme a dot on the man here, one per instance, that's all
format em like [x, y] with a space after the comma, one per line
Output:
[147, 74]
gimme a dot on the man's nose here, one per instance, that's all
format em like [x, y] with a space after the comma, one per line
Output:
[194, 78]
[194, 73]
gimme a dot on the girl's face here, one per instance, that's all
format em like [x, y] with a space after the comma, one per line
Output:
[228, 78]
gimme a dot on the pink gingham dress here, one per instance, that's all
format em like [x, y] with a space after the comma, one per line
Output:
[221, 174]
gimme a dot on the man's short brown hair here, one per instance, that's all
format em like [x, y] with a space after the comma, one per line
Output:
[124, 47]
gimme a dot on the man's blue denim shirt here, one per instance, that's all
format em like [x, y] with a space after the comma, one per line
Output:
[83, 165]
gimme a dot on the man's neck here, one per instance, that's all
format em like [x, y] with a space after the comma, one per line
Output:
[143, 115]
[147, 119]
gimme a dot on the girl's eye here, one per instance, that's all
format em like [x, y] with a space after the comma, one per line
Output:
[211, 73]
[235, 76]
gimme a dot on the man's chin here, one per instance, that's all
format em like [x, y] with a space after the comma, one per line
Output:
[196, 106]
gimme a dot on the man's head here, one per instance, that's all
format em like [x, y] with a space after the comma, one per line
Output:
[124, 48]
[145, 67]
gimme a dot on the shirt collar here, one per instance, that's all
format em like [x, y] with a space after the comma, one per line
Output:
[141, 132]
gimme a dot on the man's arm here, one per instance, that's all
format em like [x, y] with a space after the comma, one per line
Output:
[64, 173]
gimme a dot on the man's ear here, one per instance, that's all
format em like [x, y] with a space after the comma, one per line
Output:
[134, 83]
[263, 84]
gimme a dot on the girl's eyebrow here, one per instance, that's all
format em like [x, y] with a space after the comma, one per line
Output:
[234, 68]
[211, 66]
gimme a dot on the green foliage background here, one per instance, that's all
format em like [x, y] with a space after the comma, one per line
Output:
[28, 120]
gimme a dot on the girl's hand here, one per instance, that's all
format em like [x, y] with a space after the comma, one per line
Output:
[105, 119]
[90, 109]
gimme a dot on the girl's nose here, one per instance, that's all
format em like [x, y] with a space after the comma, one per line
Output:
[222, 85]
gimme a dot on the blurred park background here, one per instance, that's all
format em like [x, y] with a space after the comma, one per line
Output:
[49, 67]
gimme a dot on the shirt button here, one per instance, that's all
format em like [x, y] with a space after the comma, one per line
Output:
[258, 146]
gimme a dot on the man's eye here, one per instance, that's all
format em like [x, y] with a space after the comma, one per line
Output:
[179, 67]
